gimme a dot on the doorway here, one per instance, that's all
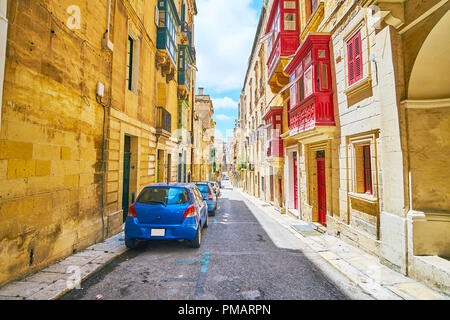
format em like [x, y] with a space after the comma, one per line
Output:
[272, 187]
[295, 160]
[321, 188]
[169, 167]
[126, 177]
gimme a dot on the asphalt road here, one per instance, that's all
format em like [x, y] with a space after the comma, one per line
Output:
[237, 260]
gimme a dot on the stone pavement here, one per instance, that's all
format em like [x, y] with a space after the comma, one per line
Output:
[363, 269]
[57, 279]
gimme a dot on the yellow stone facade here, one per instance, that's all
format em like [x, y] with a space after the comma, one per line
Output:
[400, 108]
[62, 146]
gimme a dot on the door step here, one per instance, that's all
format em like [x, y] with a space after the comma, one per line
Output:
[319, 227]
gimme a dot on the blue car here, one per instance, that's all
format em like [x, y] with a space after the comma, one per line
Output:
[209, 194]
[167, 212]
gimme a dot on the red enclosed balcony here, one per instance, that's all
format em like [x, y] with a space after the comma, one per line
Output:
[311, 96]
[274, 122]
[283, 40]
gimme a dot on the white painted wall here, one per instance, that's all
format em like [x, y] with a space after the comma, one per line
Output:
[3, 38]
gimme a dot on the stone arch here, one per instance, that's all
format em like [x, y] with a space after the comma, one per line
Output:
[430, 75]
[427, 114]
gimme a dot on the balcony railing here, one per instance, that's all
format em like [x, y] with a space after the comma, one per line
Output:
[315, 111]
[163, 120]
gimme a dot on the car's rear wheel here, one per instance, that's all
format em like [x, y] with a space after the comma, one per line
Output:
[131, 243]
[198, 239]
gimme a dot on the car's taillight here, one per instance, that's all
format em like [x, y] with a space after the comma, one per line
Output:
[190, 212]
[132, 211]
[210, 195]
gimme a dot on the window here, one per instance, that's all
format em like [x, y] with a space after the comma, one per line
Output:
[367, 170]
[300, 89]
[132, 72]
[130, 63]
[164, 196]
[289, 4]
[293, 90]
[314, 5]
[362, 160]
[289, 22]
[308, 82]
[171, 25]
[354, 59]
[322, 76]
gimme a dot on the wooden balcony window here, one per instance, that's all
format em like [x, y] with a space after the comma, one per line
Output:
[168, 28]
[311, 96]
[282, 30]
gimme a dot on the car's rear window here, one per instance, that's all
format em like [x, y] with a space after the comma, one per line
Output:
[204, 188]
[164, 195]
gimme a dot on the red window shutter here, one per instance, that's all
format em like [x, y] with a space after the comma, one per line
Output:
[358, 57]
[354, 59]
[351, 62]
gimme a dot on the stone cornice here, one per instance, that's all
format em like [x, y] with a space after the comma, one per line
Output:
[426, 104]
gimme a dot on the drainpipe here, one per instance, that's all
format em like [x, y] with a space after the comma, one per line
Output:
[102, 205]
[3, 41]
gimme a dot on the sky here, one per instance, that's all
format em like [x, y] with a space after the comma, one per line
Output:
[224, 34]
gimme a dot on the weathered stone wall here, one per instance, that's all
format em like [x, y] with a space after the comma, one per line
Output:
[51, 134]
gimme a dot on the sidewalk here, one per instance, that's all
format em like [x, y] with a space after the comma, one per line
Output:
[55, 280]
[363, 269]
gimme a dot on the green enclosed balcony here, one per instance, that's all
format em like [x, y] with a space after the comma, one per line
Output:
[184, 70]
[167, 33]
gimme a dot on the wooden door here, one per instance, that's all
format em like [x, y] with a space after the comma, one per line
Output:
[321, 189]
[295, 182]
[126, 177]
[272, 187]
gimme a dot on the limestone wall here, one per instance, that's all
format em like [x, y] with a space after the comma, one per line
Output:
[51, 134]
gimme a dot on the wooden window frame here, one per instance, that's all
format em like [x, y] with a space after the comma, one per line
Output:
[130, 54]
[357, 168]
[367, 167]
[354, 58]
[133, 62]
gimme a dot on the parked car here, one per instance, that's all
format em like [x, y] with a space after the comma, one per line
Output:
[216, 188]
[209, 194]
[173, 211]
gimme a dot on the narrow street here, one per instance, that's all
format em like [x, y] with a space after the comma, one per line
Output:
[237, 260]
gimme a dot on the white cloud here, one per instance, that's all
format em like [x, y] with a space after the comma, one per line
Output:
[224, 34]
[224, 103]
[223, 117]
